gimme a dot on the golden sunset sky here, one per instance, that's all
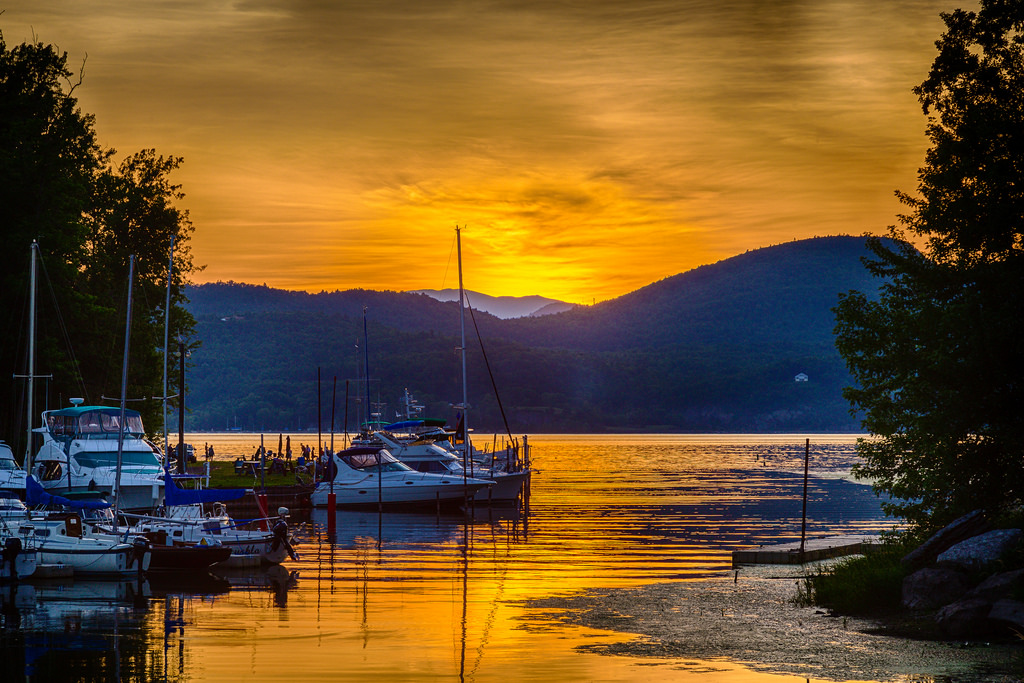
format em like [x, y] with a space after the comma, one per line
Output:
[589, 148]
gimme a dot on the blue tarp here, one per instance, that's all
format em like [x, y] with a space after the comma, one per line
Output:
[178, 496]
[412, 424]
[35, 494]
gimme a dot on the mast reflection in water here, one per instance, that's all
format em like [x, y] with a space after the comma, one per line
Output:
[427, 596]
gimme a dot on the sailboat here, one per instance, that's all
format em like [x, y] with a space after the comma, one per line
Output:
[508, 482]
[195, 529]
[99, 448]
[58, 535]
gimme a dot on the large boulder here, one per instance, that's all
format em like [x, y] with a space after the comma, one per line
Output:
[982, 550]
[998, 586]
[932, 587]
[971, 524]
[967, 618]
[1010, 613]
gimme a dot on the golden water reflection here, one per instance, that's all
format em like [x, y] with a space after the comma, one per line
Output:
[425, 597]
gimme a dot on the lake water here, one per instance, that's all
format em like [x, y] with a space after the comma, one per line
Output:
[423, 597]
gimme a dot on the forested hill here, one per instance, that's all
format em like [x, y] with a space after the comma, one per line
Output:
[714, 349]
[775, 296]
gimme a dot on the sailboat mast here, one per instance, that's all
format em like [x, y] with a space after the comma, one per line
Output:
[466, 451]
[167, 324]
[124, 387]
[30, 387]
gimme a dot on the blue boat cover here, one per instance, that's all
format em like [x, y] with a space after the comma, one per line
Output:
[410, 424]
[35, 494]
[178, 496]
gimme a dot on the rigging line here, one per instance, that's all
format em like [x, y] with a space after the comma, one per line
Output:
[447, 266]
[64, 329]
[494, 385]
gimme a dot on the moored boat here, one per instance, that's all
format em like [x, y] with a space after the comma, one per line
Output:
[431, 451]
[80, 452]
[60, 538]
[197, 517]
[12, 477]
[371, 475]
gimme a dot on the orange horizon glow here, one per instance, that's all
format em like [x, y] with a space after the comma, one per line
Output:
[589, 150]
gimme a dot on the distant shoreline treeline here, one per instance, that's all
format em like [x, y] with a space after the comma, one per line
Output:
[715, 350]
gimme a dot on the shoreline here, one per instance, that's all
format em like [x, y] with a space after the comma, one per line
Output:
[751, 618]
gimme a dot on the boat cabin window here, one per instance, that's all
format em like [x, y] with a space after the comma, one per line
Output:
[372, 461]
[109, 459]
[6, 464]
[93, 422]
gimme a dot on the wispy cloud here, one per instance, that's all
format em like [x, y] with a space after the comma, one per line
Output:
[591, 148]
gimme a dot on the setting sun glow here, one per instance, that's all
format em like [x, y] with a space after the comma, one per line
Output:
[588, 148]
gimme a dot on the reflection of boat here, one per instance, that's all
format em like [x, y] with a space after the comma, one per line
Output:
[199, 582]
[275, 577]
[369, 475]
[169, 557]
[80, 452]
[392, 528]
[12, 477]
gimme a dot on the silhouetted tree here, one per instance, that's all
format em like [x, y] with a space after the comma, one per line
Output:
[57, 185]
[936, 360]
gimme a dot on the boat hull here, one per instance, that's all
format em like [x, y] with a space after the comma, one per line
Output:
[396, 494]
[506, 489]
[94, 557]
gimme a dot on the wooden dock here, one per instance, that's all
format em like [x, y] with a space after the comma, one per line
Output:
[819, 548]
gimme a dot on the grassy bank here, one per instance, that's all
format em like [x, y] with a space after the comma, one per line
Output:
[223, 475]
[867, 585]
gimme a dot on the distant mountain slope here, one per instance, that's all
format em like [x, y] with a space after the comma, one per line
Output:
[401, 310]
[775, 295]
[716, 349]
[502, 306]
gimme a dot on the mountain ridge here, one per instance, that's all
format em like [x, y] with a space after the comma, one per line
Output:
[714, 349]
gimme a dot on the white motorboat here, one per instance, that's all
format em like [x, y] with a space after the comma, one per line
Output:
[427, 452]
[18, 557]
[371, 475]
[197, 516]
[12, 477]
[60, 538]
[80, 452]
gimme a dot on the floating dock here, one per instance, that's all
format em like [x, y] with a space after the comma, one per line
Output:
[820, 548]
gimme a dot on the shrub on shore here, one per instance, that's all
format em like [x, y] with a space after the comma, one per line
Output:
[865, 585]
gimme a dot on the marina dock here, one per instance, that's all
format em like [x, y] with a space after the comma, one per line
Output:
[820, 548]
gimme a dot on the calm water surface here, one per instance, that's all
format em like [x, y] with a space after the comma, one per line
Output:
[422, 597]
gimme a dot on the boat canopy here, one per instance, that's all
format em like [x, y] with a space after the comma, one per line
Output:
[92, 422]
[173, 495]
[35, 494]
[362, 457]
[414, 424]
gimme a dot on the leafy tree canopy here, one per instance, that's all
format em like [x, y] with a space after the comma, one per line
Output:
[60, 187]
[936, 360]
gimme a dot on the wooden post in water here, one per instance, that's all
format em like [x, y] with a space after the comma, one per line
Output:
[803, 523]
